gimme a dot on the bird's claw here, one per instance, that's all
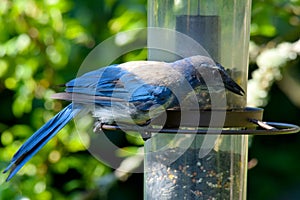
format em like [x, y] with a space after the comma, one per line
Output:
[98, 126]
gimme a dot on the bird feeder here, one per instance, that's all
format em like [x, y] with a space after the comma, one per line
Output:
[202, 153]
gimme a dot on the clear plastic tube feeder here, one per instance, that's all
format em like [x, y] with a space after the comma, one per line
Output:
[190, 157]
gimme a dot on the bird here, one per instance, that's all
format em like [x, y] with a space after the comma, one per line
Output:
[127, 93]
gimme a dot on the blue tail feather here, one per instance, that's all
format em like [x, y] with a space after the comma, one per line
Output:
[40, 138]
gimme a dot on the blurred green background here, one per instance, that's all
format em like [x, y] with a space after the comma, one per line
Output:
[42, 45]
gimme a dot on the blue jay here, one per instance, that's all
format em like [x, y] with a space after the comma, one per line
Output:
[126, 93]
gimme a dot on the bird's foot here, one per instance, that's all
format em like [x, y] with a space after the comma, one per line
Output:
[98, 126]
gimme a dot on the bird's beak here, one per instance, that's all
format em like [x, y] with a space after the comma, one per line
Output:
[230, 84]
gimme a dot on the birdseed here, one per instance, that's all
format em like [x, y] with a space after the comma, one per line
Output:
[216, 176]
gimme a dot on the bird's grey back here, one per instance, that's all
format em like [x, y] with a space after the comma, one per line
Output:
[164, 74]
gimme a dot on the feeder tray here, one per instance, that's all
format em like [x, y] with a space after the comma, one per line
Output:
[237, 122]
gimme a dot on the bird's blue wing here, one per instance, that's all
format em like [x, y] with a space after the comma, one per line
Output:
[101, 82]
[40, 138]
[116, 82]
[142, 94]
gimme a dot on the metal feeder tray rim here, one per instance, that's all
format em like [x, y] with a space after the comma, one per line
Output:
[246, 121]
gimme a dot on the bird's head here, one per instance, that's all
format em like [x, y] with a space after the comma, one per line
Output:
[210, 74]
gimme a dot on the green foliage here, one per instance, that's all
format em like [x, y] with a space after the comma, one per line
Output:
[42, 45]
[275, 18]
[274, 74]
